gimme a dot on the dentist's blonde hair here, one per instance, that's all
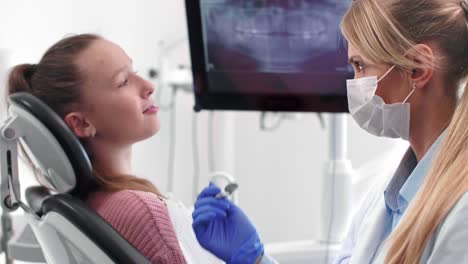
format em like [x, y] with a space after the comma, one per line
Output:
[383, 31]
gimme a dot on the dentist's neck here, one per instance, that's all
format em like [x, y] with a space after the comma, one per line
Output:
[429, 121]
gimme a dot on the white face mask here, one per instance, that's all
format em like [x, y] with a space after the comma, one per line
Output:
[373, 114]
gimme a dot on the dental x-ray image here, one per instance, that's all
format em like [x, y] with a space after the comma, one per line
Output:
[288, 40]
[278, 48]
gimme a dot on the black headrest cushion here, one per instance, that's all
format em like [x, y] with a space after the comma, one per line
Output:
[69, 142]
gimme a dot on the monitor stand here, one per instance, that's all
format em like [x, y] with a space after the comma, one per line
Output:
[338, 175]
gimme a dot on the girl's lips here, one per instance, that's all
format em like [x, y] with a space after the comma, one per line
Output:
[151, 110]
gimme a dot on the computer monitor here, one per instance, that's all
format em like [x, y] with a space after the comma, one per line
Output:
[268, 55]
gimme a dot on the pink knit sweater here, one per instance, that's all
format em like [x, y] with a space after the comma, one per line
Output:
[143, 219]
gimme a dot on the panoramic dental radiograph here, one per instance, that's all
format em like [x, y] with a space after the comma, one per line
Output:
[275, 46]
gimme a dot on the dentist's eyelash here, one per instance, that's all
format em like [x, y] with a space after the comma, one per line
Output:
[359, 66]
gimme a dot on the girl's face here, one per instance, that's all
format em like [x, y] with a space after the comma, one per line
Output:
[115, 99]
[393, 88]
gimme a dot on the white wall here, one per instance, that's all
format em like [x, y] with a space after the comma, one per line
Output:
[279, 172]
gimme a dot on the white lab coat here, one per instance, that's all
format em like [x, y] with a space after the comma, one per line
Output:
[449, 244]
[371, 224]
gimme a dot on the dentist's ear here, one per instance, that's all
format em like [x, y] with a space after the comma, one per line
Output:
[422, 54]
[80, 125]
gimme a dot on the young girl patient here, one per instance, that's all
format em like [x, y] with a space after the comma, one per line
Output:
[90, 82]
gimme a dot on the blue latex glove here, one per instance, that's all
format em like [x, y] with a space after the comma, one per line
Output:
[223, 229]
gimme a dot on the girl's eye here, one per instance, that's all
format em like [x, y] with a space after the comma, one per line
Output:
[124, 83]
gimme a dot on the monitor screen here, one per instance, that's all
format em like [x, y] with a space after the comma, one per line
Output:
[268, 55]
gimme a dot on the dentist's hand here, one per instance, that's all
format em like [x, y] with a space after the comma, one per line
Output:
[223, 229]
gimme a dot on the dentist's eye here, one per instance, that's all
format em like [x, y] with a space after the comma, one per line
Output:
[358, 66]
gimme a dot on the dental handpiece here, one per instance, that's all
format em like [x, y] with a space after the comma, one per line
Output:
[228, 190]
[225, 182]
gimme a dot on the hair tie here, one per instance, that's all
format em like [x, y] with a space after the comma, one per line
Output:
[30, 71]
[33, 68]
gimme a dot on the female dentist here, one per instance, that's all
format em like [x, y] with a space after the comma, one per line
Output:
[410, 57]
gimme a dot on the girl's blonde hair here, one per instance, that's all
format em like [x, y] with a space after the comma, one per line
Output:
[384, 31]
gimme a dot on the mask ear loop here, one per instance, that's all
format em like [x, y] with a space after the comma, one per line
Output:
[385, 74]
[411, 93]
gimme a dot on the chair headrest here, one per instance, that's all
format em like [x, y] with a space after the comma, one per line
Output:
[64, 163]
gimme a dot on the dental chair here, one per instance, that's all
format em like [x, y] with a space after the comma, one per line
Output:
[65, 228]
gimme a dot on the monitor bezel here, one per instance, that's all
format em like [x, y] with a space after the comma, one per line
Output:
[208, 100]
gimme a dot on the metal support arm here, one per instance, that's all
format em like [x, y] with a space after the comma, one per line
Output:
[9, 185]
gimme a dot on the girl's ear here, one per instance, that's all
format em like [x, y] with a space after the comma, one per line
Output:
[80, 125]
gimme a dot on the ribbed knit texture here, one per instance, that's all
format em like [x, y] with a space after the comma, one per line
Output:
[143, 219]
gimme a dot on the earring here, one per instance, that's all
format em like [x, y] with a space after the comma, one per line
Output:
[93, 133]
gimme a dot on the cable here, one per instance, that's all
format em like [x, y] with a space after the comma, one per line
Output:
[332, 211]
[196, 160]
[273, 127]
[211, 154]
[321, 120]
[174, 44]
[172, 143]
